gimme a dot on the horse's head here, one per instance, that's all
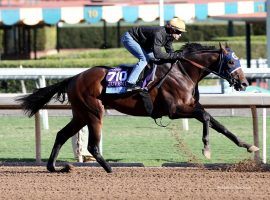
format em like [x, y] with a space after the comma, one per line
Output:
[230, 69]
[223, 63]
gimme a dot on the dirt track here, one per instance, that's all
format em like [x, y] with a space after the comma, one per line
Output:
[132, 183]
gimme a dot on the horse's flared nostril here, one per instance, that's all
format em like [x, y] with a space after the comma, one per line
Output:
[244, 84]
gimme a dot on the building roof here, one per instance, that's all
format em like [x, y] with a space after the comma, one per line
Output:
[54, 3]
[251, 17]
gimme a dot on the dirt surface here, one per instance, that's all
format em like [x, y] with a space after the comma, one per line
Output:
[132, 183]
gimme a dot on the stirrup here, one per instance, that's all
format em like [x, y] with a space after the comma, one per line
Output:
[132, 87]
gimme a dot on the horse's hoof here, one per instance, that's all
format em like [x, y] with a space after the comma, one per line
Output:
[51, 168]
[107, 168]
[206, 153]
[253, 149]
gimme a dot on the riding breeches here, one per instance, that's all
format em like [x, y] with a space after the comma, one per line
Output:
[136, 50]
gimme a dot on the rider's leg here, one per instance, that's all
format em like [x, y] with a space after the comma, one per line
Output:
[135, 49]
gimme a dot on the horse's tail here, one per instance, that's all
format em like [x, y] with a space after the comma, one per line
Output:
[32, 103]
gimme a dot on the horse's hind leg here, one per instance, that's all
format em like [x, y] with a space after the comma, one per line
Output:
[94, 127]
[221, 129]
[62, 136]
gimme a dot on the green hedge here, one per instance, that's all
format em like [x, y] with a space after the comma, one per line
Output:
[200, 32]
[89, 36]
[46, 38]
[93, 37]
[86, 36]
[50, 37]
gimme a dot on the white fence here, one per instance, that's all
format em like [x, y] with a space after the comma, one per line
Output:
[255, 63]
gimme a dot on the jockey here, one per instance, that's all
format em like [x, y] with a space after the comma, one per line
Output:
[145, 43]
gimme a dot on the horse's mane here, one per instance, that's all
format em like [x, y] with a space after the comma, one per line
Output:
[194, 47]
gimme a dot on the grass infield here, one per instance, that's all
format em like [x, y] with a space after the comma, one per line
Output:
[132, 139]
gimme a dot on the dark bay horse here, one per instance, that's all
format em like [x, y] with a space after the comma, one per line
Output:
[177, 97]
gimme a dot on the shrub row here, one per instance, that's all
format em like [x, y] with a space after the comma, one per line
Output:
[89, 36]
[93, 37]
[71, 37]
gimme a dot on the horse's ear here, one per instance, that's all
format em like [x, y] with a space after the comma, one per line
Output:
[226, 45]
[222, 48]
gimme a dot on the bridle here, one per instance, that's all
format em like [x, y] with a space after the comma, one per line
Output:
[220, 72]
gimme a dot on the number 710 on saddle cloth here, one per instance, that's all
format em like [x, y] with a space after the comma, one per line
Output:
[117, 77]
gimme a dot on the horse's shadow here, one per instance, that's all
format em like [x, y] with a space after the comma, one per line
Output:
[114, 160]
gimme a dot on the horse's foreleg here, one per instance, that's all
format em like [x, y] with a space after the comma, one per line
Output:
[94, 127]
[200, 114]
[205, 138]
[221, 129]
[204, 117]
[62, 136]
[94, 150]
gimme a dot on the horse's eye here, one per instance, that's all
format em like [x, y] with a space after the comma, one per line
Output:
[230, 62]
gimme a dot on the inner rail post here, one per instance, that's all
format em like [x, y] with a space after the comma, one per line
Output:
[38, 138]
[255, 132]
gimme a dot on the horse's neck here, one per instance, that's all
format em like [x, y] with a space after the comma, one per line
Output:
[177, 73]
[190, 71]
[204, 60]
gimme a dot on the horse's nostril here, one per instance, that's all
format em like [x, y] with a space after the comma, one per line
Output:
[245, 84]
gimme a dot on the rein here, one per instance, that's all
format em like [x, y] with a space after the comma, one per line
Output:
[220, 63]
[196, 65]
[166, 74]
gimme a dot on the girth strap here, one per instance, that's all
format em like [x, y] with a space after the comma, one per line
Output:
[148, 105]
[147, 102]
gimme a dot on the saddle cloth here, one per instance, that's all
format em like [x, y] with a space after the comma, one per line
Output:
[117, 77]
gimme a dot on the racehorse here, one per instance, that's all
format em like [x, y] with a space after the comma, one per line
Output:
[173, 93]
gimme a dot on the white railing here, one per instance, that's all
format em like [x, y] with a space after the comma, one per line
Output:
[37, 73]
[255, 63]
